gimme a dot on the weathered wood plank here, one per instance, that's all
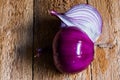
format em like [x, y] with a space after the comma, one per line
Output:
[16, 23]
[106, 65]
[45, 29]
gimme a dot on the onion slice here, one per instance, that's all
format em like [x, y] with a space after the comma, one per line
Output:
[83, 16]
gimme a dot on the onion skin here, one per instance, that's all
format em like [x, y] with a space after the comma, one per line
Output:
[73, 50]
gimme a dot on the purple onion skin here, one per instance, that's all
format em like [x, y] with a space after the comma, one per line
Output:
[73, 50]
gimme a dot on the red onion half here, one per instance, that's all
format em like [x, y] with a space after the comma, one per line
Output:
[73, 45]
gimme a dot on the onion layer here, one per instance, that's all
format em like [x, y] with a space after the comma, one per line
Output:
[83, 16]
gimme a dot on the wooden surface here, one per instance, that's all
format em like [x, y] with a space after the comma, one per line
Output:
[16, 38]
[24, 27]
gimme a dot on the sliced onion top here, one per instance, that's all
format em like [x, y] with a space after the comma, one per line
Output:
[83, 16]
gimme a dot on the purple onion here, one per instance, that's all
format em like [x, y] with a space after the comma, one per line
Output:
[73, 50]
[73, 45]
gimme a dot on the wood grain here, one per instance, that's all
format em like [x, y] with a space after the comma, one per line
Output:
[106, 65]
[45, 30]
[16, 23]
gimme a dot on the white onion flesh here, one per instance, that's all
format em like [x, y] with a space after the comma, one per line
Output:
[84, 17]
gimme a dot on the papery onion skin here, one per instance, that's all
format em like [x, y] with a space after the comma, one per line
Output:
[73, 50]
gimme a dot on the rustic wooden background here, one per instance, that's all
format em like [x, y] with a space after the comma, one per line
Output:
[26, 25]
